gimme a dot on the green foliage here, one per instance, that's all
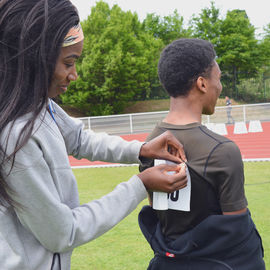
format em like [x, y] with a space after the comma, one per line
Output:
[237, 42]
[167, 28]
[264, 47]
[239, 54]
[207, 25]
[118, 64]
[267, 31]
[254, 90]
[238, 50]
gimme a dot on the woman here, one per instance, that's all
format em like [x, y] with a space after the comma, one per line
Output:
[41, 220]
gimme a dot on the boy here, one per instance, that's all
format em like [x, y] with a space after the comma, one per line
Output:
[217, 232]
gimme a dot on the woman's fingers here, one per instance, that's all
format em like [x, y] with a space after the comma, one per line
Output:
[166, 178]
[165, 146]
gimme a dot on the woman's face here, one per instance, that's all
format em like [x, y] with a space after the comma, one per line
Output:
[65, 69]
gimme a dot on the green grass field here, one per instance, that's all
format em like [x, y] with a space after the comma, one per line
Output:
[124, 247]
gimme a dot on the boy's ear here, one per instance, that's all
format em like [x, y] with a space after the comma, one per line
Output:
[201, 84]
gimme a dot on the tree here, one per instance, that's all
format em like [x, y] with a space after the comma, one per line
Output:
[118, 62]
[166, 28]
[264, 48]
[238, 53]
[207, 25]
[267, 31]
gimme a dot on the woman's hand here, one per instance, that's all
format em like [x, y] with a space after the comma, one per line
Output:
[165, 146]
[158, 179]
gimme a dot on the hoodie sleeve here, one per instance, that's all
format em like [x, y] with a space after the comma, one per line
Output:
[82, 143]
[54, 224]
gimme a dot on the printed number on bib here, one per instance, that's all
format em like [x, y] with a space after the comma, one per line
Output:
[178, 200]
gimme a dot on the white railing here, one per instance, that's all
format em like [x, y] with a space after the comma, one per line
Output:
[145, 122]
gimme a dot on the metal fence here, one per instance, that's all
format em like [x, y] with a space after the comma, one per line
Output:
[145, 122]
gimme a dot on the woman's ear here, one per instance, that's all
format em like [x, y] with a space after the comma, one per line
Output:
[201, 84]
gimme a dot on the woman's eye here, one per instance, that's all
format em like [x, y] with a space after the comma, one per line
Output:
[68, 65]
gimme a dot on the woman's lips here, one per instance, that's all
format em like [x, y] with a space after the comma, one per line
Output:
[64, 88]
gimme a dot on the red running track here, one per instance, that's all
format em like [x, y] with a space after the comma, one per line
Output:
[252, 145]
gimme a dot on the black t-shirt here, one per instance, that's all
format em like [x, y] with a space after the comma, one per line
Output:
[217, 177]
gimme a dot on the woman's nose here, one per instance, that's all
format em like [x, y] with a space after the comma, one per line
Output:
[73, 76]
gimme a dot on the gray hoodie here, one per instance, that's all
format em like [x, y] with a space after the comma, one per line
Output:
[52, 221]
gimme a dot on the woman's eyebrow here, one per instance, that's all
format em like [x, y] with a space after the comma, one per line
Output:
[72, 56]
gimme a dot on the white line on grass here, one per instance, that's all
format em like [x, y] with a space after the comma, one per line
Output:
[128, 165]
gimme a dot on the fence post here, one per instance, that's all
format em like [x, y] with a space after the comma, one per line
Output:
[244, 113]
[130, 123]
[89, 124]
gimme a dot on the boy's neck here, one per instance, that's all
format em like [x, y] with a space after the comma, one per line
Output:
[183, 111]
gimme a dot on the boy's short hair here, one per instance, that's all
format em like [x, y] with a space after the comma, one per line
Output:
[182, 62]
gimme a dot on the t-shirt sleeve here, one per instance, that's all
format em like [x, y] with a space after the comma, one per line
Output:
[225, 168]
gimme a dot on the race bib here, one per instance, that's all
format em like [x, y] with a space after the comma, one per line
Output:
[178, 200]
